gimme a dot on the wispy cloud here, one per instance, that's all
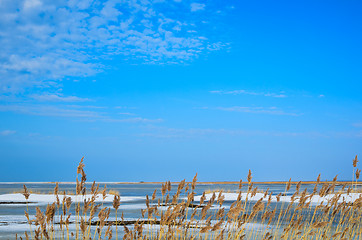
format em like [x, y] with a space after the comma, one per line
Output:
[75, 112]
[43, 42]
[49, 110]
[85, 106]
[126, 113]
[7, 132]
[245, 92]
[259, 110]
[56, 97]
[357, 124]
[197, 7]
[125, 107]
[135, 120]
[163, 132]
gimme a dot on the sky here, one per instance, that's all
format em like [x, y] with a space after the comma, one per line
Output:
[156, 90]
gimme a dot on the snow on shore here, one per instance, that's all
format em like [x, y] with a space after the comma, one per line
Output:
[316, 199]
[50, 198]
[18, 198]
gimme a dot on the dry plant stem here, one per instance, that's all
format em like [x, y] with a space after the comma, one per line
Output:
[280, 213]
[116, 225]
[307, 231]
[27, 209]
[246, 200]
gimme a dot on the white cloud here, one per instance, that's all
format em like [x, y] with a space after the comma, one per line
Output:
[245, 92]
[43, 42]
[7, 132]
[197, 7]
[31, 4]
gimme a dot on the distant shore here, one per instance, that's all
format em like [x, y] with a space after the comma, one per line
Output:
[199, 183]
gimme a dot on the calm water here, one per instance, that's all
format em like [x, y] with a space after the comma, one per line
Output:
[12, 219]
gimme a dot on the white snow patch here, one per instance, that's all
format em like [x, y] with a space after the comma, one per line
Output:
[316, 199]
[50, 198]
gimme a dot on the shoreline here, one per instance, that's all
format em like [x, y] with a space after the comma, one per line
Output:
[201, 183]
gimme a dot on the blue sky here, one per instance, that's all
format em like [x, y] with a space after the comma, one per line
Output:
[159, 90]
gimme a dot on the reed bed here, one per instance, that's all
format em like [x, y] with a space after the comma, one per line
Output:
[176, 214]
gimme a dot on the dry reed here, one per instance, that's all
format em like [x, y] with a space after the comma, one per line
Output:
[177, 215]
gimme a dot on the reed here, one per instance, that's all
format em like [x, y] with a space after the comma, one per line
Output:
[181, 214]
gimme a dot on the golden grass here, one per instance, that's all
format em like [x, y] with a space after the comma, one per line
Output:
[113, 192]
[175, 214]
[217, 190]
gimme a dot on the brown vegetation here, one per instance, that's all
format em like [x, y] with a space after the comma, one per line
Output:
[178, 216]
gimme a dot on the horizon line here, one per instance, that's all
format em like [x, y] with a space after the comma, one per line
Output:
[205, 182]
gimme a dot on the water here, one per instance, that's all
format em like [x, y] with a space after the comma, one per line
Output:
[13, 221]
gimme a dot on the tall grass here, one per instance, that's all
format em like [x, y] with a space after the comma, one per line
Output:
[177, 215]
